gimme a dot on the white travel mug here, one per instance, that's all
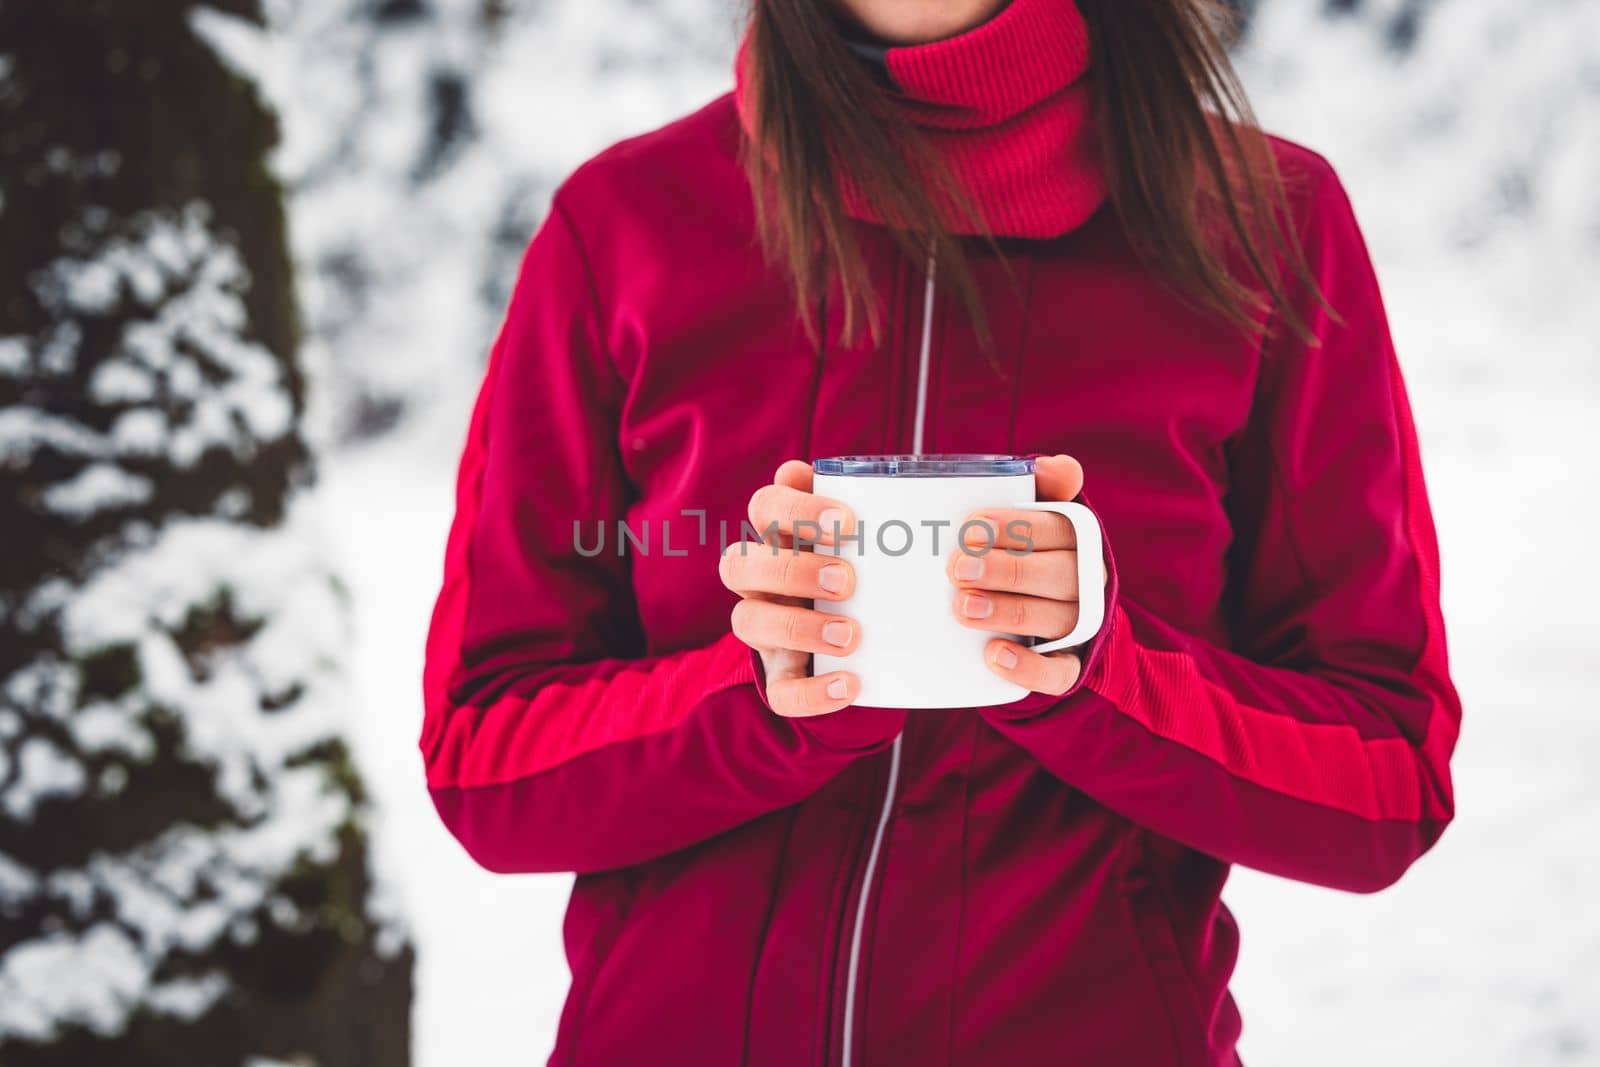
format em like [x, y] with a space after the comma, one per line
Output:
[913, 652]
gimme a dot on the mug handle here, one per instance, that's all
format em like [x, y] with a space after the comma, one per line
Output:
[1091, 571]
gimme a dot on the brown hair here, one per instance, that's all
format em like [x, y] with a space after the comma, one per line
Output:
[1192, 178]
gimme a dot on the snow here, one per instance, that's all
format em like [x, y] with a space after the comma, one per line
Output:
[185, 289]
[122, 381]
[95, 487]
[89, 979]
[103, 728]
[42, 771]
[1471, 162]
[407, 239]
[139, 432]
[15, 880]
[234, 632]
[408, 219]
[1488, 952]
[13, 356]
[86, 979]
[187, 997]
[24, 430]
[490, 989]
[190, 887]
[275, 576]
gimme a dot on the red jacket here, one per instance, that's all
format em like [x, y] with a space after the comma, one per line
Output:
[1031, 883]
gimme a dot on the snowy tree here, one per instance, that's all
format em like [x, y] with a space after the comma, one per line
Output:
[183, 869]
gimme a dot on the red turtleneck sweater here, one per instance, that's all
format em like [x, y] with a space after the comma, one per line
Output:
[1270, 688]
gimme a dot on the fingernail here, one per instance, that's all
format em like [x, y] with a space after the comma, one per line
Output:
[832, 578]
[977, 607]
[969, 568]
[1004, 658]
[979, 530]
[833, 520]
[836, 633]
[838, 689]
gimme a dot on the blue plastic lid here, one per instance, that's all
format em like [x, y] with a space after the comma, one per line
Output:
[924, 466]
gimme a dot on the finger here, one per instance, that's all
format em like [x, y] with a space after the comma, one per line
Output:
[793, 693]
[800, 697]
[1006, 613]
[1053, 575]
[763, 624]
[1057, 478]
[1053, 674]
[796, 514]
[1017, 530]
[748, 567]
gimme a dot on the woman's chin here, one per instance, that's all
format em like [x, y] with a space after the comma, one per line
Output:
[911, 22]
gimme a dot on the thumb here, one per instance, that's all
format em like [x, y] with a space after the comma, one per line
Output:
[1058, 477]
[794, 473]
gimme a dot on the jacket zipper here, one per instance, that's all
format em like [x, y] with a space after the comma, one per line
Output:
[890, 788]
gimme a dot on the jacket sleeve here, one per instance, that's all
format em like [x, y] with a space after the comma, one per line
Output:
[550, 744]
[1316, 747]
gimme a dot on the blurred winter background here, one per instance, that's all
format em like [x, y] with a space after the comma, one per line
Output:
[224, 532]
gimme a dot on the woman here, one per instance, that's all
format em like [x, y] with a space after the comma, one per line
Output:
[1034, 227]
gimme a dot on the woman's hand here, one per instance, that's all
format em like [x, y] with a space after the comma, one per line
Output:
[1035, 593]
[776, 582]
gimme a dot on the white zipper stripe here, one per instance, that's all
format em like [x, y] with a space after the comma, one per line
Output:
[894, 750]
[922, 361]
[861, 901]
